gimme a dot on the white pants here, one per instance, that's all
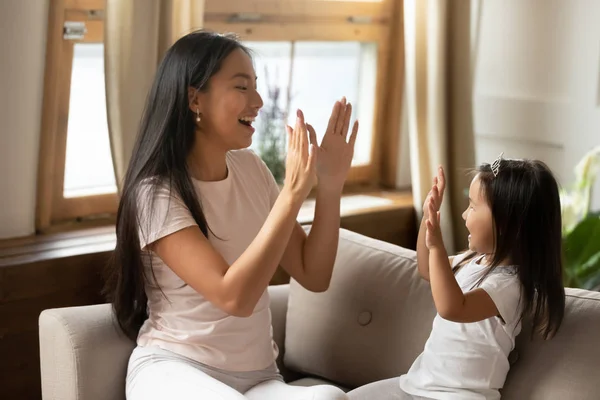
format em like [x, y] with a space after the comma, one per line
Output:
[156, 374]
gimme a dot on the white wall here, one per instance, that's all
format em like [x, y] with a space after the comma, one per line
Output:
[22, 46]
[537, 89]
[536, 92]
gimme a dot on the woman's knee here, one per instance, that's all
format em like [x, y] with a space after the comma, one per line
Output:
[176, 380]
[327, 392]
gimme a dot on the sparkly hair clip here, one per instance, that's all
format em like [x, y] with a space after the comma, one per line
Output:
[496, 165]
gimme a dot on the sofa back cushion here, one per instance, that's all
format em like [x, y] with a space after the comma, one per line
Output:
[565, 367]
[370, 324]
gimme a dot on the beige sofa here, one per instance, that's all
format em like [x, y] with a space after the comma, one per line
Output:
[370, 325]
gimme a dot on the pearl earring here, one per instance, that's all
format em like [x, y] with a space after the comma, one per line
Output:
[197, 115]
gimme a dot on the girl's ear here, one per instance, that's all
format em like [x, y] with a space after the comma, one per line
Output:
[194, 100]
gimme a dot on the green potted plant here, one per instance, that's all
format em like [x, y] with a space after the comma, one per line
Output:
[271, 132]
[581, 227]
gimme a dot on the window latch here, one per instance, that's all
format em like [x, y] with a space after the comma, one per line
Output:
[74, 30]
[246, 17]
[360, 19]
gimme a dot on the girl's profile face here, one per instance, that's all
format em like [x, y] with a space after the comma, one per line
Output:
[478, 220]
[231, 103]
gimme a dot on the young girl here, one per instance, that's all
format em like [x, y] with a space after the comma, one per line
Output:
[202, 227]
[513, 269]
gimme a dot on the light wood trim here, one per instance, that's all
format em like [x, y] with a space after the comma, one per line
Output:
[52, 207]
[84, 4]
[302, 31]
[77, 207]
[309, 8]
[389, 143]
[60, 149]
[379, 123]
[361, 173]
[50, 114]
[93, 25]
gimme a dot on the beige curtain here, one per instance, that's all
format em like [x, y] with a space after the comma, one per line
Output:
[439, 103]
[136, 35]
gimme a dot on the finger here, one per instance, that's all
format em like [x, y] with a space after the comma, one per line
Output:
[353, 134]
[429, 226]
[435, 195]
[333, 117]
[431, 212]
[313, 134]
[312, 157]
[296, 138]
[290, 134]
[438, 217]
[340, 119]
[441, 179]
[303, 133]
[344, 132]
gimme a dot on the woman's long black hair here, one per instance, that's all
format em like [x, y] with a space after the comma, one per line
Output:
[166, 135]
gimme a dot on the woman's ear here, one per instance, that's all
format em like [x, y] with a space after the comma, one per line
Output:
[194, 100]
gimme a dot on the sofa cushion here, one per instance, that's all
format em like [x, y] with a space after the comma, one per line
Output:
[370, 324]
[565, 367]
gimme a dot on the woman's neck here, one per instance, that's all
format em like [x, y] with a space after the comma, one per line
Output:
[207, 162]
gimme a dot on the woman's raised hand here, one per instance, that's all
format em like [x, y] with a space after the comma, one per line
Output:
[300, 164]
[337, 148]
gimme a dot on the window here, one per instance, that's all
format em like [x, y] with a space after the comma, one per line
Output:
[314, 52]
[88, 164]
[312, 75]
[76, 177]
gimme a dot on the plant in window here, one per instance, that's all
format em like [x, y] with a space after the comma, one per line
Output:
[271, 131]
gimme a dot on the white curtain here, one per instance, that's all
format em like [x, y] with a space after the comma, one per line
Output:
[438, 95]
[136, 35]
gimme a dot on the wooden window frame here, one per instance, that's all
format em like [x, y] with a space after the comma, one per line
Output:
[52, 207]
[280, 20]
[318, 20]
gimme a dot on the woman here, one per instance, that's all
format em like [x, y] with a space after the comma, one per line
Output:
[202, 228]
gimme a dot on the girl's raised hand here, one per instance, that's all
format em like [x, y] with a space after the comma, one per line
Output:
[436, 193]
[433, 236]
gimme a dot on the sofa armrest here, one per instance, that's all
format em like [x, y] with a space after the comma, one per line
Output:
[83, 354]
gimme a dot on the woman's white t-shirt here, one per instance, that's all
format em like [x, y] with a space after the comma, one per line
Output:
[182, 320]
[470, 361]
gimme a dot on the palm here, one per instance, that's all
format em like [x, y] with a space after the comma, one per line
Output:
[436, 194]
[334, 156]
[335, 153]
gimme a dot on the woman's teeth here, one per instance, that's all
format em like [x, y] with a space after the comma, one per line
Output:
[247, 120]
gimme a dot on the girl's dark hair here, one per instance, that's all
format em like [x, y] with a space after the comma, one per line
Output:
[166, 135]
[525, 204]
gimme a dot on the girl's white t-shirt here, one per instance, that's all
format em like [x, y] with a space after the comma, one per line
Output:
[470, 361]
[182, 320]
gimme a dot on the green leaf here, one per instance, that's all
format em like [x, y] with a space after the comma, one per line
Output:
[593, 283]
[590, 272]
[582, 253]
